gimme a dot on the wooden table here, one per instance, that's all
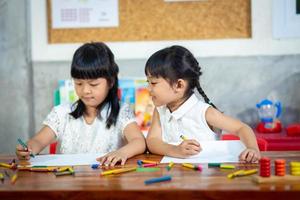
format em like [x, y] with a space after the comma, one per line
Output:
[211, 183]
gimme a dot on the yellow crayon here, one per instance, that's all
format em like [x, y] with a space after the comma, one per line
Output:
[189, 165]
[234, 174]
[223, 166]
[5, 165]
[118, 171]
[1, 177]
[248, 172]
[183, 137]
[170, 165]
[62, 169]
[14, 179]
[71, 170]
[149, 161]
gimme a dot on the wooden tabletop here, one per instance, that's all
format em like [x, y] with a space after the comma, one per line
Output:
[211, 183]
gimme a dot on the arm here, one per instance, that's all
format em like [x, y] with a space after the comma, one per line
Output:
[136, 145]
[157, 146]
[216, 119]
[37, 143]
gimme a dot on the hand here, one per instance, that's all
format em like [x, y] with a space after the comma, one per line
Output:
[23, 153]
[188, 148]
[112, 158]
[249, 155]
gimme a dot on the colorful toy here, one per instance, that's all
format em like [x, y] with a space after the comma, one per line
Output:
[268, 113]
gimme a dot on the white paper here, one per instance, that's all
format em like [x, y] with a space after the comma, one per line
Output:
[84, 14]
[64, 159]
[223, 151]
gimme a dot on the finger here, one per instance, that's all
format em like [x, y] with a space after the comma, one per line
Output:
[194, 142]
[102, 160]
[242, 156]
[123, 161]
[20, 148]
[192, 152]
[114, 161]
[108, 160]
[249, 157]
[195, 148]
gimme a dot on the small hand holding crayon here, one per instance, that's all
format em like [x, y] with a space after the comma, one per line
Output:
[188, 147]
[111, 159]
[22, 151]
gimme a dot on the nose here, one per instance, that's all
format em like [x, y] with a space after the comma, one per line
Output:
[86, 89]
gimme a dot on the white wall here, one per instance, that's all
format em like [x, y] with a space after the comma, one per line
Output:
[261, 43]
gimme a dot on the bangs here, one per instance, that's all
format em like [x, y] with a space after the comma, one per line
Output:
[156, 65]
[91, 62]
[89, 72]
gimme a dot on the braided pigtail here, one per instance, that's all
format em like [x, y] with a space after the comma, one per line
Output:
[202, 93]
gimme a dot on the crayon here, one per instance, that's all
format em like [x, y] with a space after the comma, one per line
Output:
[2, 177]
[214, 164]
[14, 178]
[149, 165]
[95, 166]
[118, 171]
[183, 137]
[223, 166]
[25, 146]
[247, 172]
[149, 162]
[159, 179]
[188, 165]
[140, 162]
[5, 165]
[170, 165]
[63, 173]
[234, 174]
[147, 169]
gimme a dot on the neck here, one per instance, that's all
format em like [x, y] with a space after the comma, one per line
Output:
[176, 104]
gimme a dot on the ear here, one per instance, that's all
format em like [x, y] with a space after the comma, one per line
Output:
[180, 85]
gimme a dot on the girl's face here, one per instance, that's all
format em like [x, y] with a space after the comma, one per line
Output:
[162, 92]
[92, 92]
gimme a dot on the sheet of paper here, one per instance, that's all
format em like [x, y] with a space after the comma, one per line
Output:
[64, 159]
[223, 151]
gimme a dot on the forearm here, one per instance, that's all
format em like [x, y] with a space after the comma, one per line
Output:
[134, 147]
[35, 145]
[248, 137]
[157, 146]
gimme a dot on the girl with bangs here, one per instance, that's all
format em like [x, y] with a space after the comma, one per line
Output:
[95, 123]
[173, 75]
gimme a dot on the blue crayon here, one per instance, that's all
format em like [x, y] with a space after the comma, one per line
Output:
[159, 179]
[139, 162]
[95, 166]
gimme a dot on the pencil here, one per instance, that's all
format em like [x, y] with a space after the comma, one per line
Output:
[25, 146]
[188, 165]
[149, 162]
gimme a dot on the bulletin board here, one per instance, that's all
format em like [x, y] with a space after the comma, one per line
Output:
[156, 20]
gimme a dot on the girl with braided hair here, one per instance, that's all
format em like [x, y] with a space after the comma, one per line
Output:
[173, 75]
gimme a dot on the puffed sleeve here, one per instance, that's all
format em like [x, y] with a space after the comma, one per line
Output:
[57, 119]
[126, 116]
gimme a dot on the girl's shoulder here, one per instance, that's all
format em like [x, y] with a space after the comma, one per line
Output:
[62, 109]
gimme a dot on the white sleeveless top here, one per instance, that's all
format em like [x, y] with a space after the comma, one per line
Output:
[76, 136]
[188, 120]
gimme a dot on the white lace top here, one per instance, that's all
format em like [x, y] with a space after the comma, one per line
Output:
[76, 136]
[188, 120]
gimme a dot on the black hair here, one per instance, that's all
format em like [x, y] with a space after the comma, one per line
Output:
[176, 62]
[91, 61]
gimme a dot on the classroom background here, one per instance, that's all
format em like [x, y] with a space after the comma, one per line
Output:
[237, 72]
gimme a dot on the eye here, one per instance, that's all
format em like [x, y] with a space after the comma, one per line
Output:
[94, 84]
[78, 83]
